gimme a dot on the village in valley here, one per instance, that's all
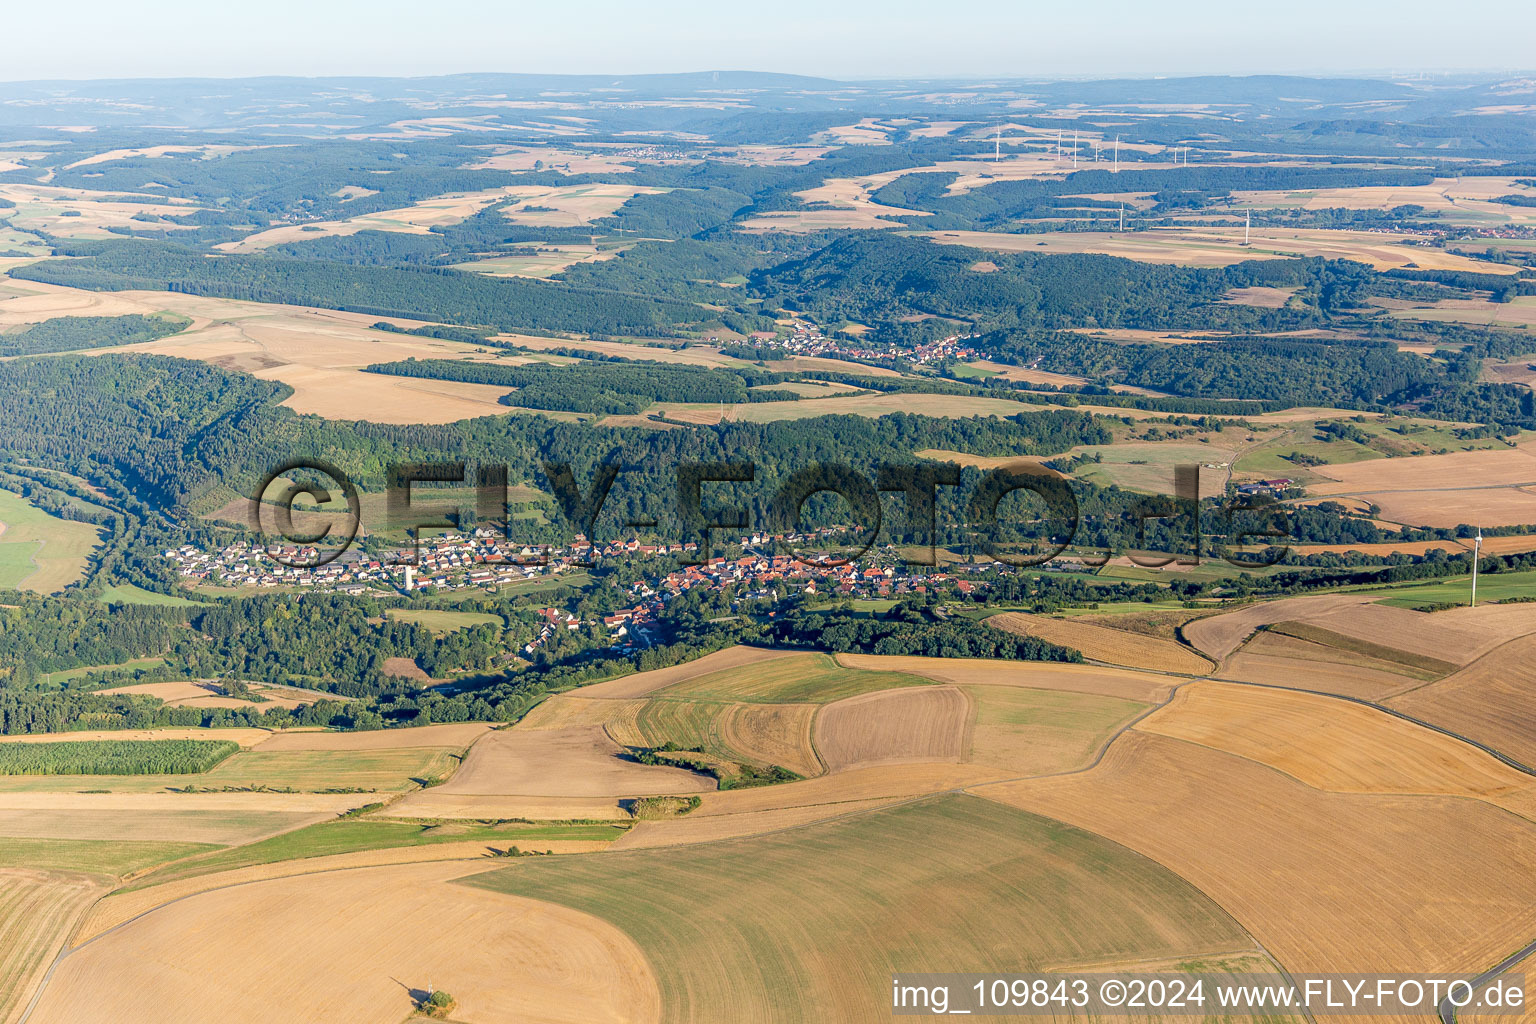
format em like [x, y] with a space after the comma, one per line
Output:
[480, 559]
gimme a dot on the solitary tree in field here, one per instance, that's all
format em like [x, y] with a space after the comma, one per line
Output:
[438, 1004]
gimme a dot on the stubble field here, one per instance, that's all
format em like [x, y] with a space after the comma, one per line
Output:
[810, 924]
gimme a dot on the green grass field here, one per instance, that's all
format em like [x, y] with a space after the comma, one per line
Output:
[306, 771]
[358, 834]
[38, 551]
[809, 925]
[803, 679]
[127, 593]
[1490, 587]
[1274, 461]
[95, 856]
[75, 673]
[441, 621]
[965, 371]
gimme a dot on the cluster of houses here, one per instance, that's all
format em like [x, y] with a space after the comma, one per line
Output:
[449, 562]
[1273, 488]
[806, 339]
[483, 559]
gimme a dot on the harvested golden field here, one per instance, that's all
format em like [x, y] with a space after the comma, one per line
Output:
[1221, 246]
[1488, 701]
[1028, 376]
[1485, 467]
[158, 152]
[709, 828]
[1338, 746]
[810, 924]
[1439, 641]
[693, 355]
[1039, 732]
[417, 219]
[795, 363]
[243, 736]
[1320, 879]
[141, 897]
[1015, 463]
[1467, 200]
[319, 353]
[34, 302]
[872, 404]
[1492, 506]
[929, 723]
[1492, 487]
[796, 679]
[1518, 372]
[484, 807]
[556, 768]
[37, 910]
[152, 804]
[1374, 649]
[388, 770]
[1519, 313]
[836, 203]
[1264, 298]
[643, 684]
[1148, 466]
[846, 788]
[453, 736]
[867, 132]
[555, 158]
[353, 946]
[322, 361]
[129, 822]
[1219, 635]
[1405, 547]
[1286, 661]
[1517, 543]
[566, 762]
[1105, 643]
[189, 693]
[569, 711]
[564, 206]
[1356, 648]
[540, 262]
[769, 734]
[746, 733]
[1042, 675]
[81, 213]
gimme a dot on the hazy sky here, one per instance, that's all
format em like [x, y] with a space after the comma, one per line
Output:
[891, 39]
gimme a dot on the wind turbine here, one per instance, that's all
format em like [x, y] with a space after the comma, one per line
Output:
[1074, 150]
[1122, 218]
[1247, 224]
[997, 148]
[1477, 553]
[1117, 154]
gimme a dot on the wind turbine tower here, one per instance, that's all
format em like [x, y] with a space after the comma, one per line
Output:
[1117, 154]
[1247, 225]
[997, 148]
[1074, 151]
[1122, 218]
[1477, 554]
